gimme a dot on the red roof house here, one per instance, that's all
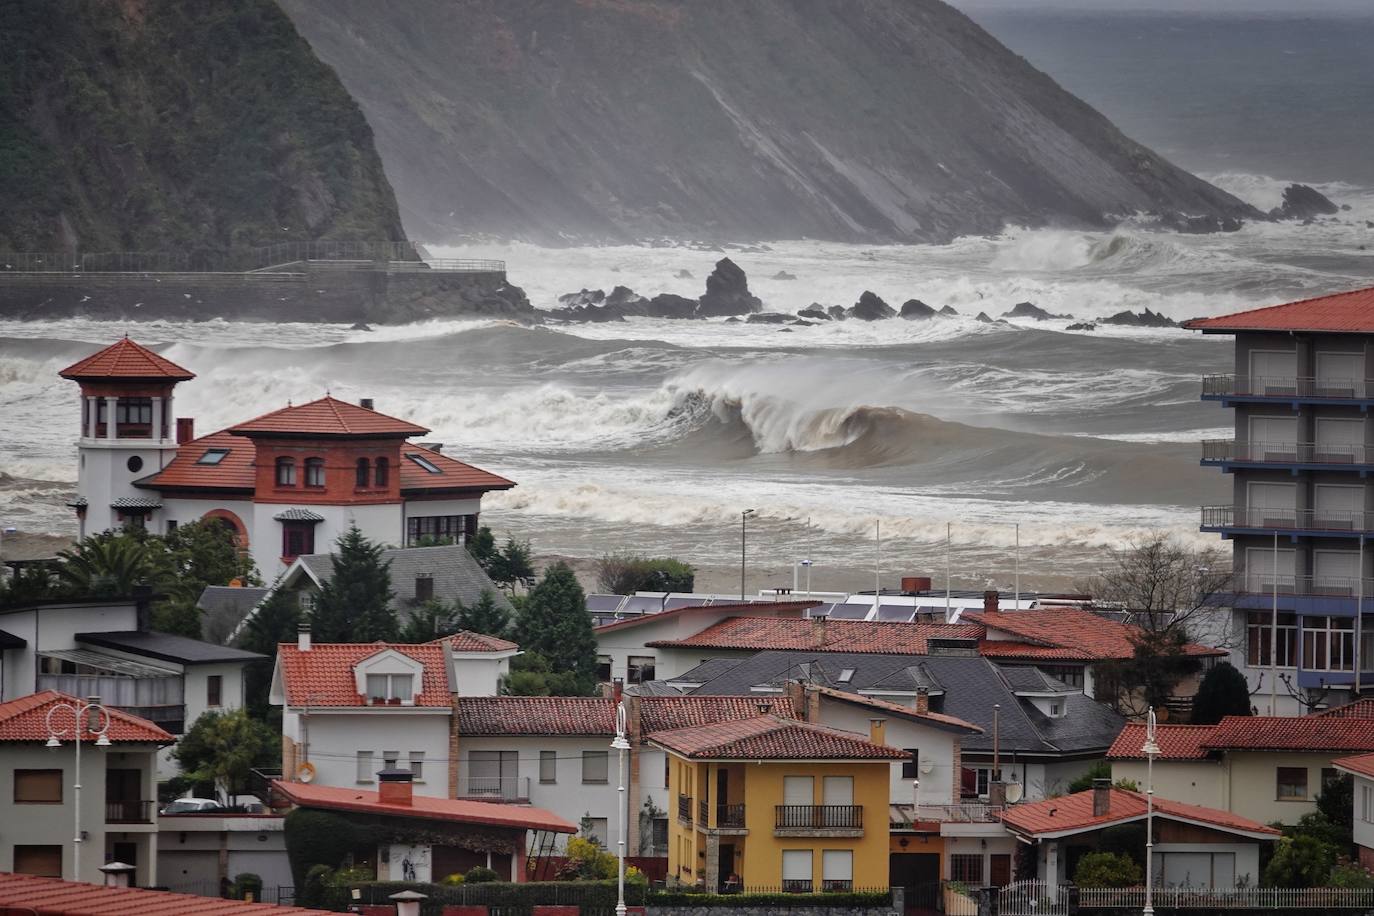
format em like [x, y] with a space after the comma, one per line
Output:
[26, 719]
[125, 359]
[1094, 809]
[34, 896]
[771, 737]
[1340, 313]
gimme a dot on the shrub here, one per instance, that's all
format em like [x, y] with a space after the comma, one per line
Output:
[1106, 869]
[1350, 874]
[246, 883]
[1299, 861]
[480, 874]
[453, 880]
[836, 902]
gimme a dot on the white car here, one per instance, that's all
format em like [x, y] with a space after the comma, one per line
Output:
[192, 806]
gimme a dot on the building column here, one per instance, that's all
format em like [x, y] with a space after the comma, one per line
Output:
[170, 418]
[111, 424]
[92, 412]
[453, 741]
[156, 432]
[712, 863]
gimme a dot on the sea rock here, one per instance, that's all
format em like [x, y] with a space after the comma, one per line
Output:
[916, 310]
[666, 305]
[1082, 326]
[984, 318]
[814, 311]
[582, 297]
[1201, 225]
[784, 275]
[727, 292]
[1145, 319]
[799, 323]
[683, 274]
[733, 320]
[1303, 202]
[769, 318]
[871, 307]
[360, 326]
[1030, 310]
[837, 312]
[627, 300]
[949, 312]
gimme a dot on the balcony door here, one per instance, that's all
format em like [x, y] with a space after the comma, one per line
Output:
[1339, 441]
[1272, 505]
[1334, 572]
[1339, 375]
[1338, 507]
[1274, 438]
[1273, 372]
[838, 795]
[1263, 572]
[493, 773]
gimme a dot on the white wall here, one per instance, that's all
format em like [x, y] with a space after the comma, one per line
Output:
[1193, 782]
[189, 850]
[103, 475]
[935, 745]
[54, 626]
[336, 737]
[1173, 870]
[992, 843]
[477, 675]
[1364, 829]
[380, 523]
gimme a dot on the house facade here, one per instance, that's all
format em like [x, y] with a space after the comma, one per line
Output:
[287, 483]
[1299, 390]
[1361, 769]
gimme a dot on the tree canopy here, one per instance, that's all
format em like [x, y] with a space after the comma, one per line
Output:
[555, 632]
[627, 573]
[1223, 692]
[508, 566]
[223, 747]
[355, 604]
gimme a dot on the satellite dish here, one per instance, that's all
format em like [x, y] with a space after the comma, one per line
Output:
[927, 765]
[1014, 792]
[306, 772]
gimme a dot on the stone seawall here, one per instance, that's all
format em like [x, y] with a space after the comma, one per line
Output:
[338, 296]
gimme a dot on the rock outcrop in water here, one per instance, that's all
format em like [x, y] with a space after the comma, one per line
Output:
[1030, 310]
[871, 307]
[916, 310]
[1303, 202]
[727, 292]
[896, 120]
[1145, 319]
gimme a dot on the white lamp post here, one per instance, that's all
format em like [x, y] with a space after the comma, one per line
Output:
[1150, 748]
[88, 718]
[622, 745]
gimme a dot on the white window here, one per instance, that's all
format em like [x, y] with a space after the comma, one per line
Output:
[389, 759]
[1264, 571]
[595, 767]
[417, 765]
[1339, 441]
[837, 869]
[1271, 505]
[1335, 572]
[1339, 375]
[641, 669]
[1339, 508]
[365, 768]
[1259, 627]
[1273, 372]
[1367, 803]
[796, 870]
[1056, 708]
[846, 675]
[1273, 438]
[1328, 643]
[798, 790]
[548, 766]
[838, 790]
[390, 687]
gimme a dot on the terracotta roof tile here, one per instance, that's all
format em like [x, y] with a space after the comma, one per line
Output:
[327, 417]
[1349, 312]
[772, 738]
[31, 894]
[25, 719]
[323, 676]
[1361, 765]
[468, 641]
[1285, 733]
[128, 360]
[1177, 742]
[1360, 709]
[536, 716]
[907, 712]
[423, 807]
[1074, 813]
[666, 713]
[1062, 632]
[453, 474]
[755, 633]
[779, 607]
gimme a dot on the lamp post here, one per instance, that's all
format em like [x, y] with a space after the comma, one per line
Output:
[622, 745]
[89, 718]
[1150, 749]
[743, 523]
[3, 532]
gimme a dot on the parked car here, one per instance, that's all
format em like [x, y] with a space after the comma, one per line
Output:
[192, 806]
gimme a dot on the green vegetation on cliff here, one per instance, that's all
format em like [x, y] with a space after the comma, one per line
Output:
[171, 125]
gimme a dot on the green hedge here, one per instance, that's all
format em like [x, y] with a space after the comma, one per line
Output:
[590, 894]
[835, 900]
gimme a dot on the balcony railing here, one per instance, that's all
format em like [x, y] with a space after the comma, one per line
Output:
[684, 808]
[497, 788]
[820, 817]
[129, 811]
[703, 813]
[1282, 387]
[1286, 452]
[959, 814]
[1352, 520]
[1263, 583]
[730, 816]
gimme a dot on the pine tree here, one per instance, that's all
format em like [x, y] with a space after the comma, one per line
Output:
[555, 625]
[355, 605]
[431, 620]
[275, 621]
[1223, 692]
[487, 616]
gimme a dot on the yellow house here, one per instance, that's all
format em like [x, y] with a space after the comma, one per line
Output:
[776, 803]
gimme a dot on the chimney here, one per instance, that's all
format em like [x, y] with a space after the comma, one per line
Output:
[912, 584]
[923, 700]
[143, 607]
[435, 447]
[117, 874]
[186, 429]
[303, 638]
[990, 601]
[818, 632]
[366, 404]
[617, 690]
[1102, 797]
[408, 902]
[394, 787]
[764, 707]
[877, 731]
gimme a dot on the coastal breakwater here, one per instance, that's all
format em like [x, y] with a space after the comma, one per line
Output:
[307, 291]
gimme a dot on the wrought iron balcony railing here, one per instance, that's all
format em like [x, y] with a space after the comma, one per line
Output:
[1251, 386]
[1339, 520]
[1220, 450]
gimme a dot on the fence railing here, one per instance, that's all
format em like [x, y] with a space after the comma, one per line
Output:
[684, 808]
[1263, 583]
[1352, 520]
[819, 817]
[1238, 898]
[959, 814]
[1282, 387]
[1034, 898]
[496, 788]
[730, 816]
[129, 811]
[1286, 452]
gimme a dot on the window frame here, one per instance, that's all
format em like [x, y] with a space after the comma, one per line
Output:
[417, 766]
[284, 472]
[1291, 772]
[315, 473]
[37, 777]
[970, 877]
[381, 472]
[843, 860]
[1257, 630]
[605, 758]
[1328, 644]
[911, 769]
[795, 885]
[214, 690]
[391, 692]
[297, 534]
[366, 764]
[635, 668]
[362, 474]
[548, 768]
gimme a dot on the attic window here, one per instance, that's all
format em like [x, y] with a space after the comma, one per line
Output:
[1056, 708]
[212, 456]
[390, 687]
[424, 463]
[846, 675]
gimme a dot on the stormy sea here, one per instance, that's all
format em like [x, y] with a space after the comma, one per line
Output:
[654, 435]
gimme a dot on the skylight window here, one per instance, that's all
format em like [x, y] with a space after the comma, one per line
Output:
[213, 456]
[846, 675]
[423, 462]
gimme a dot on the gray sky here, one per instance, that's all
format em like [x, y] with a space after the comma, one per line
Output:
[1293, 7]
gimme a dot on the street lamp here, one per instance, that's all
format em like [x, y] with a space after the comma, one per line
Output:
[89, 718]
[621, 745]
[743, 519]
[1151, 750]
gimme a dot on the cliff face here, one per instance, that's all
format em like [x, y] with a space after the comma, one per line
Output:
[173, 125]
[614, 119]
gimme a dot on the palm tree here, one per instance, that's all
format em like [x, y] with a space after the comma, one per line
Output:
[105, 566]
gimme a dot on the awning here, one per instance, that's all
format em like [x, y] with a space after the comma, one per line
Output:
[144, 503]
[110, 663]
[298, 515]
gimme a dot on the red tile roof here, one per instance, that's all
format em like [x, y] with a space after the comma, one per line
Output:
[453, 474]
[780, 607]
[1282, 733]
[423, 807]
[1349, 312]
[1062, 632]
[1360, 709]
[30, 894]
[328, 417]
[536, 716]
[25, 719]
[1176, 742]
[1069, 814]
[756, 633]
[127, 360]
[906, 712]
[772, 738]
[323, 676]
[658, 714]
[468, 641]
[1361, 765]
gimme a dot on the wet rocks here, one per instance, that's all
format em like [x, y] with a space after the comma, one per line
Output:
[949, 311]
[1030, 310]
[783, 275]
[1145, 319]
[770, 318]
[583, 297]
[1302, 202]
[1082, 326]
[666, 305]
[814, 311]
[916, 310]
[837, 312]
[871, 307]
[727, 292]
[984, 318]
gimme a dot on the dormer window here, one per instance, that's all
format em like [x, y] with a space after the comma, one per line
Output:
[388, 687]
[389, 678]
[1056, 709]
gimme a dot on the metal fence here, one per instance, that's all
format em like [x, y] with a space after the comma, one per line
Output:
[1338, 453]
[1282, 387]
[1238, 898]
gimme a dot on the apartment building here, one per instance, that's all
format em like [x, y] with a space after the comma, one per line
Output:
[1299, 389]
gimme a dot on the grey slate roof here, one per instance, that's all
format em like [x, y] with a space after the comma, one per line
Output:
[970, 685]
[167, 647]
[456, 574]
[225, 608]
[10, 641]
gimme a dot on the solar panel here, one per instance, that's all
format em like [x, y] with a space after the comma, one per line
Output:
[604, 602]
[673, 604]
[895, 613]
[823, 611]
[851, 611]
[643, 604]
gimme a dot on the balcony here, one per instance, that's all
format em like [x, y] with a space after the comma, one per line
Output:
[1294, 522]
[496, 788]
[1228, 388]
[730, 817]
[684, 809]
[1298, 455]
[819, 820]
[129, 811]
[959, 814]
[1338, 595]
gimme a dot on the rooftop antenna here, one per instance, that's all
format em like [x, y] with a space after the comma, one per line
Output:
[1016, 604]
